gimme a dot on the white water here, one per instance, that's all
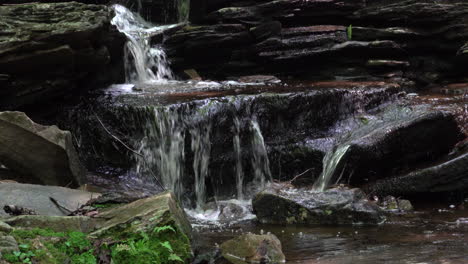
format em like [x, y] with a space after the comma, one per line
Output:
[201, 147]
[143, 62]
[330, 164]
[163, 149]
[238, 159]
[260, 161]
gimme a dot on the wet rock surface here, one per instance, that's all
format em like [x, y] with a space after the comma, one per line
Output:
[287, 117]
[251, 248]
[38, 154]
[337, 206]
[49, 50]
[397, 139]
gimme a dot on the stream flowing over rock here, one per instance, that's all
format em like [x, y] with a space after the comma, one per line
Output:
[51, 50]
[37, 153]
[386, 144]
[337, 206]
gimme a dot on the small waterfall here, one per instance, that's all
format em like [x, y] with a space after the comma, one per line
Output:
[143, 62]
[163, 149]
[238, 159]
[330, 163]
[201, 147]
[260, 162]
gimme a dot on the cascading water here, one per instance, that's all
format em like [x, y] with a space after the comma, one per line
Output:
[260, 161]
[163, 149]
[238, 159]
[331, 162]
[143, 62]
[201, 147]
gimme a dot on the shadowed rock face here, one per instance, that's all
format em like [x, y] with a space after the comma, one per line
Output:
[328, 39]
[43, 154]
[49, 50]
[444, 176]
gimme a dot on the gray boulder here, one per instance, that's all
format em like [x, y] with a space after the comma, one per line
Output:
[44, 153]
[338, 206]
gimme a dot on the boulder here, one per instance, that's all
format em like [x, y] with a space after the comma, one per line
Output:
[393, 141]
[143, 216]
[251, 248]
[45, 153]
[449, 175]
[338, 206]
[37, 198]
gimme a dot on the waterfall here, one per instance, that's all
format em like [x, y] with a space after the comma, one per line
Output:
[331, 162]
[143, 62]
[238, 159]
[201, 147]
[163, 149]
[260, 162]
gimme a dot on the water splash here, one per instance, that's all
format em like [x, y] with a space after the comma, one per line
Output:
[143, 62]
[331, 162]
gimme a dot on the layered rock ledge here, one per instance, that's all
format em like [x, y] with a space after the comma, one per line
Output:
[51, 50]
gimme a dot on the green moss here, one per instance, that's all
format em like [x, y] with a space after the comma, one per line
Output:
[46, 246]
[35, 232]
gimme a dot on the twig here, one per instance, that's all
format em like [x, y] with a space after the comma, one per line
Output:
[299, 175]
[116, 138]
[131, 150]
[59, 206]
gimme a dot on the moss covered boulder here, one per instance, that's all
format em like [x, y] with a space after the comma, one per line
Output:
[337, 206]
[151, 230]
[251, 248]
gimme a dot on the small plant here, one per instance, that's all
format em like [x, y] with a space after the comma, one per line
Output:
[24, 255]
[349, 32]
[155, 247]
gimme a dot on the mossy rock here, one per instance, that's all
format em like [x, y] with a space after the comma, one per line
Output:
[251, 248]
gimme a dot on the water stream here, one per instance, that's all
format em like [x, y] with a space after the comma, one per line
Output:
[144, 62]
[331, 162]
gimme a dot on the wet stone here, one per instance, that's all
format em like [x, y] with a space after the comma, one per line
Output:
[251, 248]
[336, 206]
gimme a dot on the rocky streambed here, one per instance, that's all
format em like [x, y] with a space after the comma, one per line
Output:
[261, 131]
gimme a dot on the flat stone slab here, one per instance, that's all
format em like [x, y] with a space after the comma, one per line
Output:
[37, 198]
